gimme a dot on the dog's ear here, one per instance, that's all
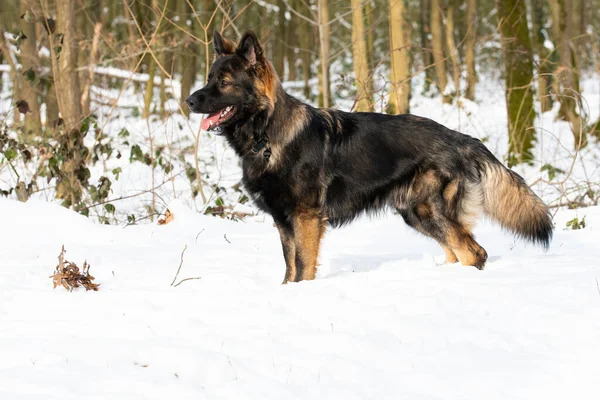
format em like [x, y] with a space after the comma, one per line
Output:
[222, 46]
[249, 49]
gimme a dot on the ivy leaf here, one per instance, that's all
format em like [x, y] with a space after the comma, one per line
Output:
[50, 25]
[10, 154]
[136, 154]
[109, 208]
[116, 172]
[552, 171]
[29, 75]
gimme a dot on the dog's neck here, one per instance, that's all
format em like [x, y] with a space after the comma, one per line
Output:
[270, 130]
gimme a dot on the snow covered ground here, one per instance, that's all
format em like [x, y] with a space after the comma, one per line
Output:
[383, 320]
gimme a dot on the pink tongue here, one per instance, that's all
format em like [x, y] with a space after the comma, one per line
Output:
[211, 117]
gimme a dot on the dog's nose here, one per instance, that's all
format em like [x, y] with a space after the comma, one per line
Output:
[190, 102]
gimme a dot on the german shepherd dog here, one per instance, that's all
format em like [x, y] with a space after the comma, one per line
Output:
[309, 167]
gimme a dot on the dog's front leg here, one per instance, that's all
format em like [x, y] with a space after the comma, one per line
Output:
[308, 231]
[286, 233]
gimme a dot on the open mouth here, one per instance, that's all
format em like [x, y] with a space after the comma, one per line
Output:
[211, 121]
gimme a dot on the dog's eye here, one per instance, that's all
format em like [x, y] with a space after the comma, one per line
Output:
[225, 82]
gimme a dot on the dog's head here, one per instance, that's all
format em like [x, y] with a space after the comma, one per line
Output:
[241, 83]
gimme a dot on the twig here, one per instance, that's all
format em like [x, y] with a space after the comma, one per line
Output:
[130, 196]
[180, 264]
[225, 236]
[187, 279]
[196, 241]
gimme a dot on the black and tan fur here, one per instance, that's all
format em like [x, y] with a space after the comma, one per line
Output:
[309, 167]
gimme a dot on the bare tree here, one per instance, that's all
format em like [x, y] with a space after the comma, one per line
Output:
[544, 68]
[64, 65]
[451, 45]
[568, 83]
[437, 43]
[324, 47]
[518, 71]
[360, 60]
[400, 56]
[31, 67]
[470, 40]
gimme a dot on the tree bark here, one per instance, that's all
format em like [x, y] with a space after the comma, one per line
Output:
[187, 57]
[14, 75]
[292, 44]
[567, 86]
[518, 71]
[30, 62]
[306, 37]
[426, 52]
[359, 53]
[451, 46]
[437, 44]
[64, 63]
[279, 41]
[544, 78]
[370, 36]
[470, 40]
[324, 49]
[149, 91]
[88, 75]
[400, 57]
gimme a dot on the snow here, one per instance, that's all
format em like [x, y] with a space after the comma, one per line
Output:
[384, 319]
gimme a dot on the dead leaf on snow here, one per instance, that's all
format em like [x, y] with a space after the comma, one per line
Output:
[168, 218]
[69, 276]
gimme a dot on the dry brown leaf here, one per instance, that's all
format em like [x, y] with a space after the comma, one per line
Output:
[68, 275]
[168, 218]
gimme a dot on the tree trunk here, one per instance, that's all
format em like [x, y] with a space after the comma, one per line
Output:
[567, 86]
[470, 40]
[51, 107]
[64, 65]
[451, 46]
[544, 78]
[279, 42]
[324, 85]
[187, 57]
[359, 54]
[370, 37]
[149, 93]
[400, 57]
[578, 33]
[88, 75]
[292, 44]
[437, 44]
[306, 37]
[30, 64]
[14, 75]
[426, 53]
[518, 70]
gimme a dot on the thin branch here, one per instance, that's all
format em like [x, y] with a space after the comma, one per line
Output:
[180, 264]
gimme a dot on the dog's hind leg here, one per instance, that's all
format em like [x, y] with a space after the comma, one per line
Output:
[309, 228]
[450, 255]
[456, 240]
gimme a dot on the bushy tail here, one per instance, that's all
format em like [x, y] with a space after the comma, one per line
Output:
[509, 200]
